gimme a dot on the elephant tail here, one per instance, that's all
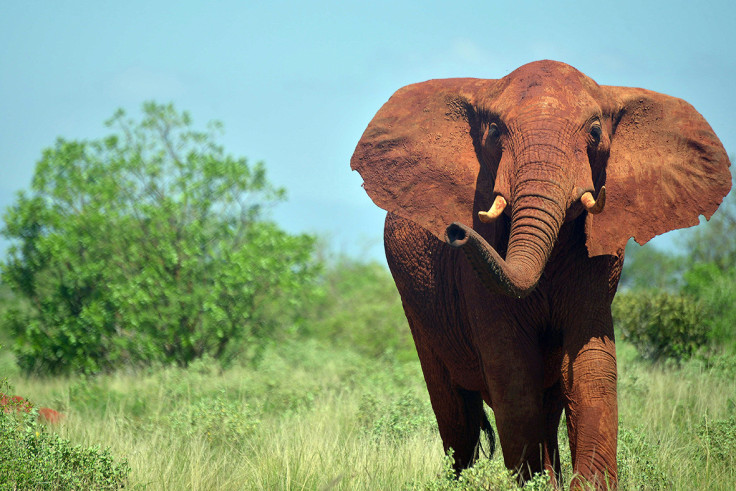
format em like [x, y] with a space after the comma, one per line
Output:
[487, 431]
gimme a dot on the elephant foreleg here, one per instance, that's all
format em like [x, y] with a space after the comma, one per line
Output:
[592, 414]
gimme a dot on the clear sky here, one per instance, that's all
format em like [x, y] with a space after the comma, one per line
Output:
[296, 83]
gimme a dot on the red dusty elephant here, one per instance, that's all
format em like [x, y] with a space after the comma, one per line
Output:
[17, 403]
[509, 204]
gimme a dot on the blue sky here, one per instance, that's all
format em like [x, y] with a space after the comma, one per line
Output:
[296, 83]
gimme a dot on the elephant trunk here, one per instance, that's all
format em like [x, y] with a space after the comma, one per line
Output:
[535, 223]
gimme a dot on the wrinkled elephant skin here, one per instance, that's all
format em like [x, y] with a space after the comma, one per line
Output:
[510, 203]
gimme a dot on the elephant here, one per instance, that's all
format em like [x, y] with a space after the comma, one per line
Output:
[510, 202]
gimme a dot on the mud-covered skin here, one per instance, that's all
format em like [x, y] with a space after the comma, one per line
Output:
[514, 307]
[519, 356]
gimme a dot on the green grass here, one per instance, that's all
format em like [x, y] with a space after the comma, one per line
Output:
[670, 414]
[313, 417]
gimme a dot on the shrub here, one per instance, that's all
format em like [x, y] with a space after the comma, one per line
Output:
[361, 309]
[218, 420]
[396, 421]
[484, 474]
[661, 325]
[31, 457]
[715, 289]
[638, 460]
[719, 438]
[149, 245]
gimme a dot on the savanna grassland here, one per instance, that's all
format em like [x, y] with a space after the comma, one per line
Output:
[311, 416]
[192, 344]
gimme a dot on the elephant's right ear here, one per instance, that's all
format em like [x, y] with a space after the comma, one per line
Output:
[418, 155]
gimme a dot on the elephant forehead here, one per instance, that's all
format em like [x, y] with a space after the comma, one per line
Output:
[545, 76]
[547, 88]
[548, 103]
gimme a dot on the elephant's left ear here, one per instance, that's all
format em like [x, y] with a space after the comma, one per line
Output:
[418, 155]
[666, 167]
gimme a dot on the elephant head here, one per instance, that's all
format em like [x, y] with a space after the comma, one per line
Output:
[540, 146]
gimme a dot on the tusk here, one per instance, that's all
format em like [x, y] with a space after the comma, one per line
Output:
[594, 206]
[494, 212]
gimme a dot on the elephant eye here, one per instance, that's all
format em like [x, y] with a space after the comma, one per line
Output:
[492, 133]
[595, 132]
[491, 141]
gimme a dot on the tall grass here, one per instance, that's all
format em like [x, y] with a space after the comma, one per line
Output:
[294, 422]
[316, 417]
[677, 422]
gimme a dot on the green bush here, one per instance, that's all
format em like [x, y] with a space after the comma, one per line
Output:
[361, 309]
[397, 420]
[31, 457]
[218, 420]
[719, 439]
[638, 460]
[149, 245]
[661, 325]
[716, 290]
[484, 474]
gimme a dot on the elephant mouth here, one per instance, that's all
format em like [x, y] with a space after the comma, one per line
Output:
[518, 275]
[498, 276]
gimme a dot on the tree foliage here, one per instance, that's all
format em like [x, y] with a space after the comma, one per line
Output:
[647, 267]
[671, 302]
[147, 245]
[714, 241]
[715, 289]
[360, 308]
[661, 325]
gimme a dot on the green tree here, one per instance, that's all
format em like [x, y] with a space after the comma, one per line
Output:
[661, 325]
[148, 245]
[711, 273]
[682, 302]
[715, 289]
[714, 241]
[647, 267]
[361, 309]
